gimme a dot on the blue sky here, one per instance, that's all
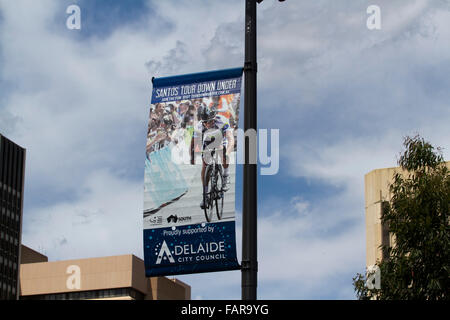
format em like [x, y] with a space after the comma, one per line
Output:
[342, 96]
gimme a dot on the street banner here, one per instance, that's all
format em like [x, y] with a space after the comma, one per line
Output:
[190, 174]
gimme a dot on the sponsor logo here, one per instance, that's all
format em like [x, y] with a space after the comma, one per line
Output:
[156, 220]
[172, 218]
[175, 219]
[190, 252]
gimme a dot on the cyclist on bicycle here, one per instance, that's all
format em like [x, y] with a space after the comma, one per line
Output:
[212, 126]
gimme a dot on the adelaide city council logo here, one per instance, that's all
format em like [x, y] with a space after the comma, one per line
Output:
[190, 252]
[164, 253]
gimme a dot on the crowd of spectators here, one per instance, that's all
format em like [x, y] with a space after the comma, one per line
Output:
[171, 122]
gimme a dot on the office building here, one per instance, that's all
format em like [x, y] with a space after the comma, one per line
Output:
[376, 196]
[12, 169]
[106, 278]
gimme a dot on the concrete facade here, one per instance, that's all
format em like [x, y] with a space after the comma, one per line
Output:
[376, 192]
[115, 277]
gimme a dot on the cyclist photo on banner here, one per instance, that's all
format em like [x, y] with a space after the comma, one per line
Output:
[199, 133]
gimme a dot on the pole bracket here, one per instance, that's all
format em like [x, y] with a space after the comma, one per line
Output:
[246, 265]
[250, 66]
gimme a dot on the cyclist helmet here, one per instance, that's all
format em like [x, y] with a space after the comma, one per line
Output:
[167, 120]
[208, 114]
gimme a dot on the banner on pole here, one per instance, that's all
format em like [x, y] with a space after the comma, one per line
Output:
[189, 179]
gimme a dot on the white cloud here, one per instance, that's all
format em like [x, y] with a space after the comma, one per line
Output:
[305, 251]
[297, 242]
[106, 220]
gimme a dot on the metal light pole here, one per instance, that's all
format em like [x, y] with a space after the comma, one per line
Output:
[249, 269]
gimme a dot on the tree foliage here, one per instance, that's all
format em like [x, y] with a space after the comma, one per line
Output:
[418, 263]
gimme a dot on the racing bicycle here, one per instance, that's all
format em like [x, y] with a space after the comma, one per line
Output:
[213, 195]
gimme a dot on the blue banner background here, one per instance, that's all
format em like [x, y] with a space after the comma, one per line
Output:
[190, 261]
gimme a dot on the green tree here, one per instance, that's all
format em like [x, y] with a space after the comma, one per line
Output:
[417, 265]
